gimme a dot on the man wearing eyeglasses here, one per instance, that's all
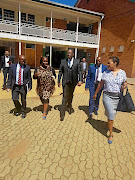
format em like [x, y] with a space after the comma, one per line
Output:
[93, 78]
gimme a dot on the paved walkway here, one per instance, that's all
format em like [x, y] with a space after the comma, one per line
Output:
[33, 149]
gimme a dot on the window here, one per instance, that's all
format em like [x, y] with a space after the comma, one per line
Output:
[103, 49]
[31, 46]
[121, 48]
[49, 19]
[9, 15]
[31, 19]
[87, 1]
[111, 49]
[0, 13]
[23, 17]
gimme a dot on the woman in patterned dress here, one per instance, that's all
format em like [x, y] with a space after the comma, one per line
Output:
[45, 76]
[113, 80]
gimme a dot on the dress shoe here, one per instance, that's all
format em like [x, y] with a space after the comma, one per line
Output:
[17, 113]
[23, 116]
[61, 118]
[71, 110]
[4, 88]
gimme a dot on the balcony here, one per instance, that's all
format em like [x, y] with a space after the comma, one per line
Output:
[29, 30]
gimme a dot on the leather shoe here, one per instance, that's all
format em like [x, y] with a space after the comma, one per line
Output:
[23, 116]
[17, 114]
[70, 110]
[61, 118]
[4, 88]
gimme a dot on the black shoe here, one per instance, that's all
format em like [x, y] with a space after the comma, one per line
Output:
[4, 88]
[61, 118]
[23, 116]
[16, 113]
[71, 110]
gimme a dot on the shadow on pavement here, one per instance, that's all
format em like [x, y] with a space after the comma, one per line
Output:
[40, 108]
[28, 109]
[99, 125]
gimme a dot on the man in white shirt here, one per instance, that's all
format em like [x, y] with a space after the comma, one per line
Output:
[5, 63]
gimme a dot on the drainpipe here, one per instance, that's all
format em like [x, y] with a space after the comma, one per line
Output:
[98, 37]
[20, 29]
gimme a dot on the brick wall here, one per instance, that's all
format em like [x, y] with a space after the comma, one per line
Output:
[118, 29]
[58, 23]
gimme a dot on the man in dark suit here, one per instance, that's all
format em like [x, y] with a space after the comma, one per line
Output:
[5, 63]
[93, 78]
[20, 82]
[71, 71]
[84, 65]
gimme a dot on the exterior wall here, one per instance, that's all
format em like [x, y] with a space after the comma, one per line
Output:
[58, 23]
[39, 53]
[118, 29]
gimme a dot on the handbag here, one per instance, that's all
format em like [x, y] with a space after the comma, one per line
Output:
[126, 103]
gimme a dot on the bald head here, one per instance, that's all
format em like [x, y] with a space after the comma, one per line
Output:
[99, 61]
[70, 53]
[22, 60]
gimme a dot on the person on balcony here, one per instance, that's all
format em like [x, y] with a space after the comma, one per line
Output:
[45, 76]
[71, 71]
[93, 78]
[5, 63]
[84, 69]
[20, 82]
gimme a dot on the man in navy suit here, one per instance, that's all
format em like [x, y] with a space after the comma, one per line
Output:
[20, 82]
[93, 78]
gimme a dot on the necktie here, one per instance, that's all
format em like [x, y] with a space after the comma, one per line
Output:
[19, 77]
[69, 63]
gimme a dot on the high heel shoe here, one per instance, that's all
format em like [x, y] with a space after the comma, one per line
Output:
[44, 117]
[109, 141]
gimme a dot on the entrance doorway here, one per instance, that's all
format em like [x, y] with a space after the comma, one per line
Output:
[30, 55]
[2, 51]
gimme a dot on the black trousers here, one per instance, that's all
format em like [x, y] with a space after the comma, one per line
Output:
[68, 91]
[5, 73]
[19, 90]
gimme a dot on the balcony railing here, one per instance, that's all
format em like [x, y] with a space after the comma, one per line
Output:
[45, 32]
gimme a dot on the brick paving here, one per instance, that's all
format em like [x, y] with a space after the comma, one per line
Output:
[36, 149]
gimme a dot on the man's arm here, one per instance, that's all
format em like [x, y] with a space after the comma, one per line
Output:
[9, 82]
[60, 73]
[30, 79]
[88, 78]
[80, 72]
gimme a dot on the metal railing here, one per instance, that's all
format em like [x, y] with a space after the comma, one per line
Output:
[45, 32]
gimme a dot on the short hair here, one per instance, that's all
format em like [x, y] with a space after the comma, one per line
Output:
[115, 59]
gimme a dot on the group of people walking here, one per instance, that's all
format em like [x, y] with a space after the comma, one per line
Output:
[109, 79]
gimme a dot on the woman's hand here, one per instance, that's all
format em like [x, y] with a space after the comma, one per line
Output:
[95, 96]
[124, 85]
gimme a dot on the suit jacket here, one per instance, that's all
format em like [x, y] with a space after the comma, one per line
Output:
[86, 66]
[2, 62]
[91, 75]
[76, 69]
[26, 76]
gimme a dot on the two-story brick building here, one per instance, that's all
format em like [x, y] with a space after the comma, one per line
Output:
[118, 30]
[40, 27]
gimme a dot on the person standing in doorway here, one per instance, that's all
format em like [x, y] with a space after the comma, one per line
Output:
[93, 78]
[5, 63]
[71, 73]
[20, 82]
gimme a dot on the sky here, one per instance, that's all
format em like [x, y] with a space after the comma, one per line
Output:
[67, 2]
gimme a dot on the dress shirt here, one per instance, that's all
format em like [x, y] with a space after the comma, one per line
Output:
[84, 65]
[99, 71]
[17, 74]
[71, 62]
[6, 61]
